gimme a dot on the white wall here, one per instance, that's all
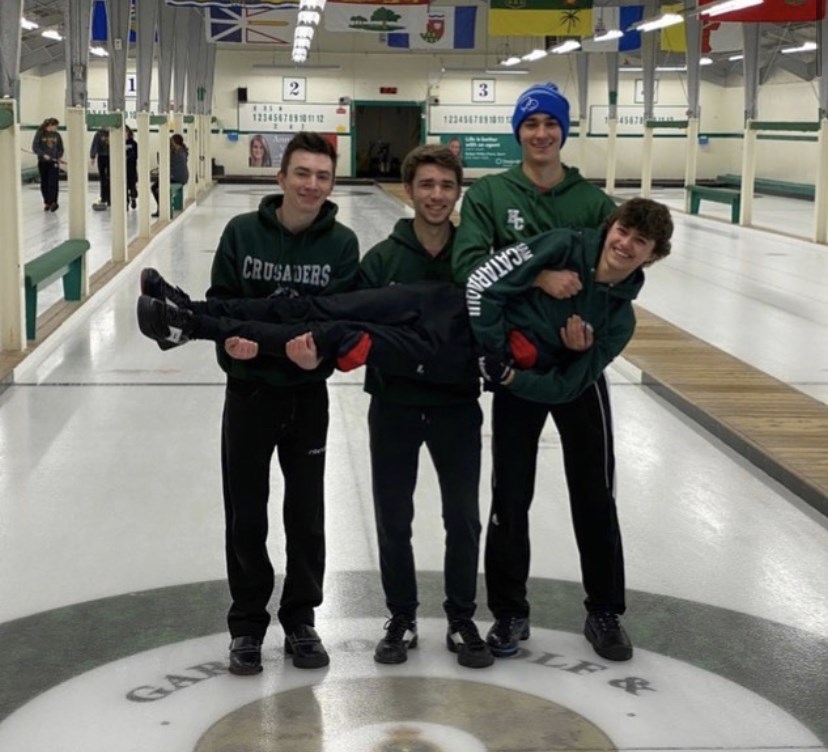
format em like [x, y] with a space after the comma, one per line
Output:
[367, 64]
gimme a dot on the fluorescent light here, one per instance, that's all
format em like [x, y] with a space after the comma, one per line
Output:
[301, 43]
[608, 35]
[318, 5]
[727, 6]
[734, 58]
[28, 25]
[510, 61]
[570, 45]
[303, 32]
[706, 61]
[98, 51]
[51, 34]
[286, 67]
[506, 71]
[534, 55]
[668, 19]
[309, 17]
[659, 69]
[807, 47]
[491, 71]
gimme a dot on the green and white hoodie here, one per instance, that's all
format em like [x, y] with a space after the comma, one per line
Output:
[257, 257]
[501, 209]
[401, 259]
[501, 298]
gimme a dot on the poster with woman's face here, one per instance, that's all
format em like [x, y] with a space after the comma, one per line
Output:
[265, 149]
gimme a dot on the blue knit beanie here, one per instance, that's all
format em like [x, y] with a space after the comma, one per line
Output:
[543, 98]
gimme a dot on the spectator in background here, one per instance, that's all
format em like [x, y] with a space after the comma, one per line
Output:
[131, 168]
[179, 172]
[48, 145]
[100, 152]
[259, 152]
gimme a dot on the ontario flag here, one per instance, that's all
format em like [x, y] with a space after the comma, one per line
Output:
[245, 25]
[375, 16]
[607, 18]
[552, 18]
[775, 11]
[447, 28]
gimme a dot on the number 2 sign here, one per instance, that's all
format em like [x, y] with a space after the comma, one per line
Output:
[293, 89]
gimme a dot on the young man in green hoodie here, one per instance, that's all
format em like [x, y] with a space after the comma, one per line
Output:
[292, 245]
[540, 194]
[406, 413]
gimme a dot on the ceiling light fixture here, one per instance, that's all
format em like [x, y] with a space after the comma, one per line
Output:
[534, 55]
[570, 45]
[662, 22]
[807, 47]
[98, 51]
[51, 34]
[28, 25]
[727, 6]
[608, 36]
[509, 61]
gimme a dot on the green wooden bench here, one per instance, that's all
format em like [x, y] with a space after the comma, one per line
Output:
[63, 261]
[176, 197]
[772, 187]
[29, 174]
[719, 195]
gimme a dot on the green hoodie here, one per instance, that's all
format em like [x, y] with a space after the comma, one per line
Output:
[257, 257]
[507, 207]
[401, 259]
[501, 298]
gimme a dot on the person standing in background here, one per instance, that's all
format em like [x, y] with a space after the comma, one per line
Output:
[48, 145]
[99, 151]
[131, 168]
[539, 194]
[179, 171]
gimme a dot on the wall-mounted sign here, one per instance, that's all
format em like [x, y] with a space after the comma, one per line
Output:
[491, 151]
[470, 119]
[483, 90]
[286, 117]
[631, 119]
[293, 89]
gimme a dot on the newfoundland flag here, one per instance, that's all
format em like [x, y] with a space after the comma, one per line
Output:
[446, 28]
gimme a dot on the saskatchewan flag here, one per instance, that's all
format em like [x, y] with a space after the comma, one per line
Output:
[561, 18]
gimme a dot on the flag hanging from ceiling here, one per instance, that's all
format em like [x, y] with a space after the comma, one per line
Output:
[775, 11]
[446, 28]
[720, 37]
[231, 3]
[99, 28]
[244, 25]
[553, 18]
[375, 16]
[607, 18]
[674, 38]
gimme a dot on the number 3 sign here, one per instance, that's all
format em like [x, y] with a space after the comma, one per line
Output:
[483, 90]
[293, 89]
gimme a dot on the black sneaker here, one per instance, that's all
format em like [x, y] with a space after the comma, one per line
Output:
[464, 639]
[245, 656]
[607, 636]
[154, 285]
[167, 325]
[505, 633]
[400, 635]
[306, 648]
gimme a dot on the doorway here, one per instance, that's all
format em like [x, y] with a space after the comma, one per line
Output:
[385, 133]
